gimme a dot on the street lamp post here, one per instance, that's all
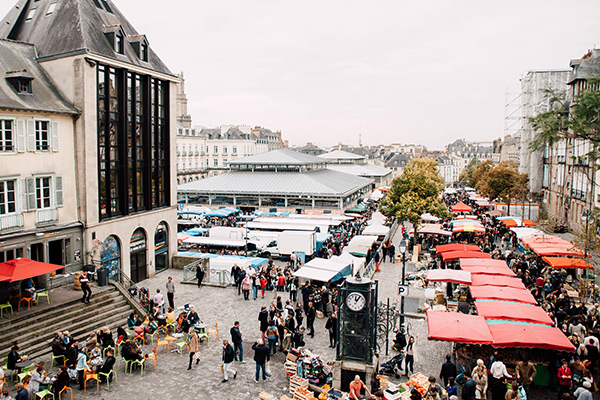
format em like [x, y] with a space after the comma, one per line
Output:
[403, 252]
[586, 216]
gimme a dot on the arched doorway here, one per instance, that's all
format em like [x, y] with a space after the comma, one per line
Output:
[137, 254]
[110, 257]
[161, 247]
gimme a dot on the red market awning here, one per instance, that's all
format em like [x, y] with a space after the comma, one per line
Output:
[461, 207]
[513, 222]
[566, 262]
[504, 310]
[449, 275]
[502, 293]
[457, 327]
[24, 268]
[443, 248]
[457, 255]
[482, 270]
[496, 280]
[532, 336]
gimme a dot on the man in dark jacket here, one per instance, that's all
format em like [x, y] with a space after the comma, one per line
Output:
[261, 356]
[331, 326]
[468, 390]
[311, 314]
[236, 338]
[108, 365]
[199, 274]
[228, 357]
[448, 370]
[263, 317]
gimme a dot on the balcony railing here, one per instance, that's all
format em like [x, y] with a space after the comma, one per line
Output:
[46, 216]
[10, 222]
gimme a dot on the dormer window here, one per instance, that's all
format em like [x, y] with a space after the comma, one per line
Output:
[119, 48]
[51, 9]
[20, 81]
[31, 14]
[140, 45]
[144, 51]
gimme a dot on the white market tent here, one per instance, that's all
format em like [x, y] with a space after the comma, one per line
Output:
[220, 267]
[522, 232]
[208, 241]
[376, 229]
[429, 218]
[376, 195]
[356, 262]
[378, 216]
[324, 270]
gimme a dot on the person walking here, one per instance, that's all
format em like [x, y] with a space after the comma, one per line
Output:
[272, 335]
[448, 370]
[228, 357]
[236, 338]
[199, 274]
[311, 314]
[299, 315]
[410, 356]
[85, 287]
[263, 317]
[331, 326]
[171, 292]
[261, 357]
[192, 346]
[525, 374]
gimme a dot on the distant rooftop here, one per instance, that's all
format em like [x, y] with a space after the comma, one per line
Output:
[282, 157]
[341, 155]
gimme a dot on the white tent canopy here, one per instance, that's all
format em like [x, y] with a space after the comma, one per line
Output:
[429, 218]
[522, 232]
[376, 229]
[376, 195]
[356, 262]
[220, 267]
[316, 274]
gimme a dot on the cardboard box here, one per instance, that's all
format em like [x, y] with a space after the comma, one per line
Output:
[292, 357]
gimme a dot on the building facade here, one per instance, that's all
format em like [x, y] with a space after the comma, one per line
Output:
[38, 211]
[124, 182]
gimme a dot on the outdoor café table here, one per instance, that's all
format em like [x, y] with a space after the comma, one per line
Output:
[24, 364]
[96, 363]
[161, 320]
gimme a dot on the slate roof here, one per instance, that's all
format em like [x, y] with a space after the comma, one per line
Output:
[360, 169]
[323, 182]
[341, 155]
[19, 60]
[586, 68]
[279, 157]
[75, 27]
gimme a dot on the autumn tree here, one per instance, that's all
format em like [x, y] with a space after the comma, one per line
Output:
[466, 175]
[480, 171]
[415, 192]
[503, 182]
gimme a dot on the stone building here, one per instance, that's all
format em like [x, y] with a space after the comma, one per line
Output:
[124, 181]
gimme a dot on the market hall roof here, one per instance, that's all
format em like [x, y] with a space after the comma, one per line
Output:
[68, 27]
[321, 182]
[18, 60]
[278, 157]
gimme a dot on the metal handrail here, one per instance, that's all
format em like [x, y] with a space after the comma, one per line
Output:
[141, 296]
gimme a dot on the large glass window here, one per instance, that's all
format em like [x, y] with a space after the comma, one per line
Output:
[8, 203]
[133, 153]
[6, 135]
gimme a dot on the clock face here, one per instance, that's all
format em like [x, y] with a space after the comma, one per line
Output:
[356, 301]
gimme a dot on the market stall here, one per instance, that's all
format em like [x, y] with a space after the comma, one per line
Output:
[529, 335]
[457, 327]
[457, 255]
[461, 207]
[502, 293]
[512, 311]
[496, 280]
[443, 248]
[567, 262]
[377, 229]
[449, 275]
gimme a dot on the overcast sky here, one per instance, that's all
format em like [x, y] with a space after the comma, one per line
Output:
[324, 71]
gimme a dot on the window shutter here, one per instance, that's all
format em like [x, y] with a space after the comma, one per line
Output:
[30, 135]
[31, 203]
[58, 190]
[24, 206]
[54, 136]
[20, 136]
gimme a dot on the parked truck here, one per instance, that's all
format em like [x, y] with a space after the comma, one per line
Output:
[288, 242]
[224, 232]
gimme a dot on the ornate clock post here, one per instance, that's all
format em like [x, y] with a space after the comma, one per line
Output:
[357, 324]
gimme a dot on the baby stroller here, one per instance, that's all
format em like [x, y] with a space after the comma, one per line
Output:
[392, 366]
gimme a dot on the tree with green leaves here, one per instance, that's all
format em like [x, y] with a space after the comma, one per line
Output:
[579, 119]
[466, 175]
[415, 192]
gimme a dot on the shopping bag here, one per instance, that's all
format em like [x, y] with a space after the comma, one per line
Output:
[522, 393]
[222, 369]
[196, 356]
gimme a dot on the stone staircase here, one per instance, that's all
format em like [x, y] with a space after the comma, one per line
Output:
[34, 330]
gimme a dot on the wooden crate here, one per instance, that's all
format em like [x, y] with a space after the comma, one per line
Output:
[296, 383]
[307, 396]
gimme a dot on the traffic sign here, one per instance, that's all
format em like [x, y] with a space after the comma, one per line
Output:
[403, 290]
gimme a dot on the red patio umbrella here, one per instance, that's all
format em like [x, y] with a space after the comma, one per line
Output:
[532, 336]
[461, 207]
[443, 248]
[456, 255]
[457, 327]
[505, 310]
[24, 268]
